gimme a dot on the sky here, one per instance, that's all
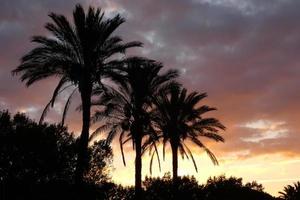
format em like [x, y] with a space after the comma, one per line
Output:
[244, 53]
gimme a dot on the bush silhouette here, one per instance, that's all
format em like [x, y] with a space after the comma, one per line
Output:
[232, 188]
[34, 153]
[165, 188]
[37, 161]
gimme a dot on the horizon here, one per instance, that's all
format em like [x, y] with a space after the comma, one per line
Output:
[244, 54]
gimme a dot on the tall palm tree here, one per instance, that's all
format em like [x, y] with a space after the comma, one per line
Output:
[178, 118]
[78, 54]
[126, 108]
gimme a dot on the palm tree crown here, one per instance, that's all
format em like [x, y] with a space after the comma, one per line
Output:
[291, 192]
[78, 55]
[178, 118]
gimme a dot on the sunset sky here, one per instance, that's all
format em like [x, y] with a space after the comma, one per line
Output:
[244, 53]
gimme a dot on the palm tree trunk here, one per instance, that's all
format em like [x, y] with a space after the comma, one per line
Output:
[138, 168]
[175, 160]
[82, 160]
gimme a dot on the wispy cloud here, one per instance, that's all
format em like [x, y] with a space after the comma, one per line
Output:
[265, 130]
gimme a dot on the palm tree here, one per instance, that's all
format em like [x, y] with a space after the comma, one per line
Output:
[291, 192]
[127, 106]
[79, 55]
[178, 118]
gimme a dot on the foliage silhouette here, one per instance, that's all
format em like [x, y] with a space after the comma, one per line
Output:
[186, 187]
[39, 160]
[126, 109]
[112, 191]
[165, 188]
[291, 192]
[80, 55]
[100, 164]
[35, 153]
[233, 188]
[178, 118]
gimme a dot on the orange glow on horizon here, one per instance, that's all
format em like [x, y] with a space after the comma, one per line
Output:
[272, 171]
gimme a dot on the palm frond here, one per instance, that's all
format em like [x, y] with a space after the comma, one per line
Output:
[99, 130]
[191, 155]
[66, 108]
[209, 153]
[212, 136]
[121, 147]
[44, 113]
[51, 102]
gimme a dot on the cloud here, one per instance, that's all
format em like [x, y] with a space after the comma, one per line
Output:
[265, 130]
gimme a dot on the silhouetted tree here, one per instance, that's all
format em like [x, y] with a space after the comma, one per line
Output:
[100, 164]
[164, 188]
[127, 107]
[291, 192]
[37, 161]
[79, 55]
[35, 153]
[178, 118]
[233, 188]
[117, 192]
